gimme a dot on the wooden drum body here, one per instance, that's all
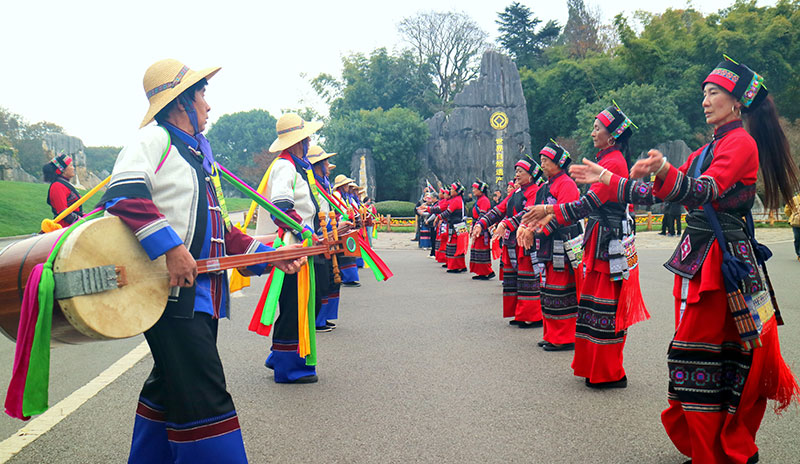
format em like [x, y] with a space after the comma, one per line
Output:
[122, 312]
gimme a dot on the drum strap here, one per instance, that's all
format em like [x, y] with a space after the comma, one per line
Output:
[85, 281]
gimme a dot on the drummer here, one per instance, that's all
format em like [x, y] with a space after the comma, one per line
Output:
[185, 413]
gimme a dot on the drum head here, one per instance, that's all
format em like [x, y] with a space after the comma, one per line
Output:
[122, 312]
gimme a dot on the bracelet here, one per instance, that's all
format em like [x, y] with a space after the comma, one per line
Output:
[663, 163]
[600, 177]
[522, 225]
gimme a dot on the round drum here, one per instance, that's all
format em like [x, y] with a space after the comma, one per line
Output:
[125, 311]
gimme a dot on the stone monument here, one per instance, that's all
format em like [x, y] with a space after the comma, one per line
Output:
[483, 135]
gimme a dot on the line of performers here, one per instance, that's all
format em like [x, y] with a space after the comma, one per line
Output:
[583, 287]
[298, 183]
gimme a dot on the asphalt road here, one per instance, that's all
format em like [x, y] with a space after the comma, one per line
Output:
[422, 368]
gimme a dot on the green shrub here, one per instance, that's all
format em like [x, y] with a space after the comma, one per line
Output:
[396, 208]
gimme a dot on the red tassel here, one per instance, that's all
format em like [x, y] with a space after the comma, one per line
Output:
[387, 273]
[462, 243]
[631, 309]
[255, 323]
[496, 252]
[778, 381]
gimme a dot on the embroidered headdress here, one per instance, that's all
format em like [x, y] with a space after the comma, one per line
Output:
[616, 122]
[557, 154]
[743, 83]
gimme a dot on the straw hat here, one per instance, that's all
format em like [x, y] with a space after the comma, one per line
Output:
[317, 154]
[292, 129]
[341, 180]
[165, 80]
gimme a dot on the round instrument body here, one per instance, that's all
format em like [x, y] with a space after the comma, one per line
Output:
[123, 312]
[119, 313]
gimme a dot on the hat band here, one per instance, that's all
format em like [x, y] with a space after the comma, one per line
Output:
[606, 117]
[524, 165]
[168, 85]
[291, 129]
[549, 152]
[752, 90]
[622, 127]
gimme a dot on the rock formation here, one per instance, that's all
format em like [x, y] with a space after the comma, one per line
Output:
[369, 174]
[10, 169]
[462, 143]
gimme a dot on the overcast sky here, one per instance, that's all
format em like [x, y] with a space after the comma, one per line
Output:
[79, 63]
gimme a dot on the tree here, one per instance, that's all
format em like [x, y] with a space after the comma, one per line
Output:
[101, 158]
[394, 136]
[518, 35]
[451, 43]
[236, 137]
[581, 31]
[381, 80]
[553, 94]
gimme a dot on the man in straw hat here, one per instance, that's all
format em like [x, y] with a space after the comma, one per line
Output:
[290, 186]
[163, 188]
[347, 265]
[327, 288]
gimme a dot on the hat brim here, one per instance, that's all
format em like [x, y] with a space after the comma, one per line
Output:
[344, 182]
[282, 143]
[162, 99]
[322, 157]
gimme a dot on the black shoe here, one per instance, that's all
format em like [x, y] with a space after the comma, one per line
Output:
[490, 276]
[621, 383]
[351, 284]
[324, 328]
[479, 277]
[514, 322]
[662, 233]
[459, 271]
[330, 324]
[530, 325]
[306, 379]
[542, 343]
[562, 347]
[444, 265]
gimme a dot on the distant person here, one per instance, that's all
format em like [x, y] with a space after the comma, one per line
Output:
[794, 221]
[666, 221]
[497, 197]
[675, 212]
[61, 193]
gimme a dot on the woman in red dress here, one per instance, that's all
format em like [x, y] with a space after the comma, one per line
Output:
[601, 326]
[61, 193]
[559, 297]
[480, 256]
[724, 359]
[520, 281]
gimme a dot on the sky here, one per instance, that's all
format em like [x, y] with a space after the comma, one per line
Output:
[80, 63]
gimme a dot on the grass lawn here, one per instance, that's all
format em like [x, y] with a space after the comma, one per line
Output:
[23, 205]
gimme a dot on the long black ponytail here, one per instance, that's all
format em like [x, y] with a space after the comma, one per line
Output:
[774, 155]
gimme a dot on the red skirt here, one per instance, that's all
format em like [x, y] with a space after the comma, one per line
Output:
[509, 278]
[520, 289]
[598, 346]
[559, 305]
[718, 391]
[454, 262]
[441, 252]
[480, 257]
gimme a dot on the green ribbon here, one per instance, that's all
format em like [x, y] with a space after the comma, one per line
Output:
[37, 382]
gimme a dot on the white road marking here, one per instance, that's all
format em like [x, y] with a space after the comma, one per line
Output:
[43, 423]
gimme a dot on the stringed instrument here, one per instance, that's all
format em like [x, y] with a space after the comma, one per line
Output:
[106, 287]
